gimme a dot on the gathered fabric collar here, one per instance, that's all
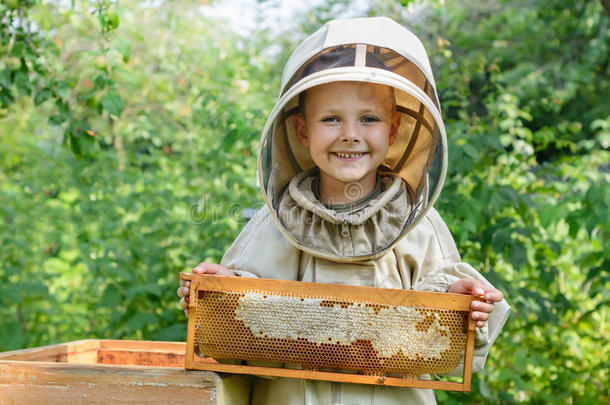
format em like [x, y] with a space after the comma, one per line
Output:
[365, 230]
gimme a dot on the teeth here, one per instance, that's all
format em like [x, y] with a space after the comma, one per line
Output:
[348, 155]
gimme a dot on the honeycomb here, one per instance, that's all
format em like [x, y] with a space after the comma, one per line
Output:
[322, 333]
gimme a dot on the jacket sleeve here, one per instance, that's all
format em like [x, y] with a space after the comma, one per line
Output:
[429, 259]
[260, 250]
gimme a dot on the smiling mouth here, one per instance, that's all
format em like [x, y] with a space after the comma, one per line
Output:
[349, 155]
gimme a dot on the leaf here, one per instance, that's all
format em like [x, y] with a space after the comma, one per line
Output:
[85, 96]
[548, 276]
[111, 297]
[543, 307]
[518, 254]
[153, 289]
[485, 390]
[140, 320]
[42, 96]
[10, 293]
[500, 239]
[549, 214]
[11, 336]
[113, 103]
[504, 196]
[22, 82]
[64, 90]
[100, 81]
[74, 142]
[113, 20]
[57, 119]
[38, 290]
[88, 144]
[173, 333]
[18, 49]
[504, 222]
[6, 97]
[63, 113]
[5, 78]
[470, 151]
[595, 272]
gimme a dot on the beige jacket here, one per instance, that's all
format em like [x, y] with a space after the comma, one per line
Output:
[397, 240]
[425, 259]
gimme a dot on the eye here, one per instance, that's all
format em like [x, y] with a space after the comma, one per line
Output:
[369, 119]
[330, 119]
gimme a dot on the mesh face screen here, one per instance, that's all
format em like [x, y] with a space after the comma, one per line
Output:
[376, 57]
[318, 332]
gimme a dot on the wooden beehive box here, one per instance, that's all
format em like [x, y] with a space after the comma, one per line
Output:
[328, 332]
[104, 372]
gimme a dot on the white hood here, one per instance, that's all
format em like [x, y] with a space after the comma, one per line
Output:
[375, 50]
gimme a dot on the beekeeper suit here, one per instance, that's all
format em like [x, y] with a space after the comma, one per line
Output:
[393, 240]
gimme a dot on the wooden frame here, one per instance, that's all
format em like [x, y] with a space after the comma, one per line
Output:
[457, 302]
[101, 372]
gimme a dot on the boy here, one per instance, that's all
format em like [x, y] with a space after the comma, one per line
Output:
[351, 160]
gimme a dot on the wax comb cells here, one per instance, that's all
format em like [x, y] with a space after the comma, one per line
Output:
[322, 332]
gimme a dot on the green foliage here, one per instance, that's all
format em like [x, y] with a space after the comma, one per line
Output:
[128, 137]
[34, 66]
[525, 98]
[129, 161]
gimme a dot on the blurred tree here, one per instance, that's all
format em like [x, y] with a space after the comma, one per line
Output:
[606, 5]
[168, 109]
[524, 87]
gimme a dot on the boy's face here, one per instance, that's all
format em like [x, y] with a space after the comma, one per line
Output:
[348, 128]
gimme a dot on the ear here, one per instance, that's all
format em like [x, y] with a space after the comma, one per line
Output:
[299, 127]
[394, 127]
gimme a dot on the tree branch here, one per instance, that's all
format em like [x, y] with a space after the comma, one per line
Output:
[606, 6]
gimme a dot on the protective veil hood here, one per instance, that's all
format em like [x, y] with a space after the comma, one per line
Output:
[375, 50]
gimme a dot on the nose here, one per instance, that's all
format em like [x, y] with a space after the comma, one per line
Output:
[350, 134]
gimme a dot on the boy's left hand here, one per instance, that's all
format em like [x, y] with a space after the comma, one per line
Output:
[481, 310]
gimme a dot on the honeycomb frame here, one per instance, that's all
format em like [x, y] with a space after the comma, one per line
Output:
[328, 332]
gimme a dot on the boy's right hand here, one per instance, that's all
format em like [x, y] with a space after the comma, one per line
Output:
[201, 268]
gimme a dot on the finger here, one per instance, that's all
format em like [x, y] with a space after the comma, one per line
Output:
[186, 312]
[183, 303]
[480, 324]
[473, 287]
[478, 289]
[212, 268]
[200, 268]
[493, 295]
[480, 316]
[482, 306]
[184, 283]
[183, 292]
[205, 267]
